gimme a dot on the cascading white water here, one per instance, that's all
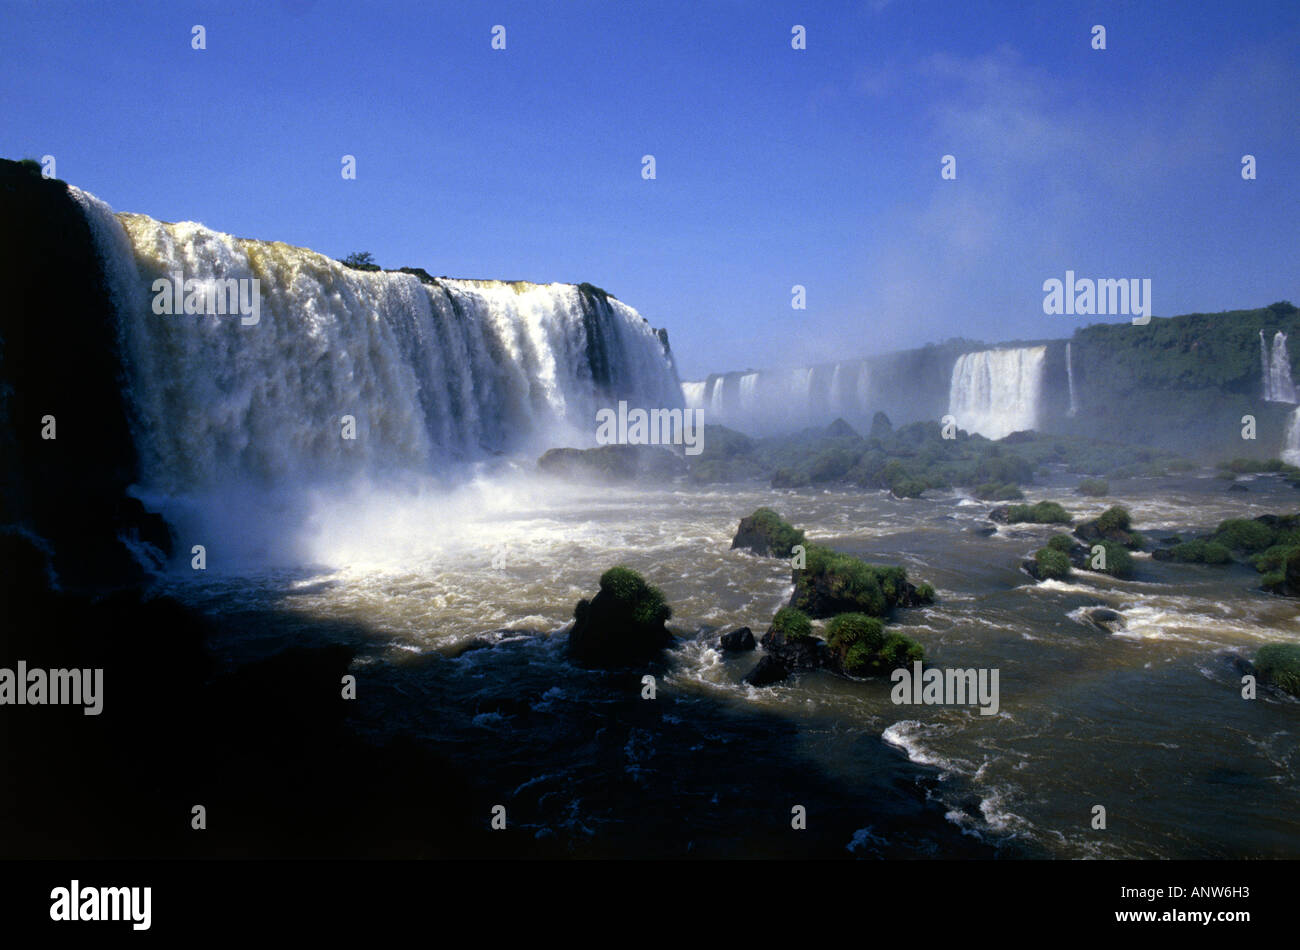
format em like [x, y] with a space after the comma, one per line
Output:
[836, 394]
[748, 392]
[801, 385]
[864, 388]
[432, 373]
[715, 400]
[1291, 441]
[996, 392]
[1069, 375]
[784, 400]
[1266, 381]
[1276, 370]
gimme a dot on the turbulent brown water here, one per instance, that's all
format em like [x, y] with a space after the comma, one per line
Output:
[1148, 722]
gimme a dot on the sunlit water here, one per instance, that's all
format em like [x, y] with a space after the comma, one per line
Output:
[1148, 722]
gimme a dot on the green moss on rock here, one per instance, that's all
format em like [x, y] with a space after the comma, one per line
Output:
[766, 533]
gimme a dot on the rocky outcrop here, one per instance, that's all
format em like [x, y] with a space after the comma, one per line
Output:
[737, 641]
[623, 625]
[767, 534]
[613, 463]
[1114, 525]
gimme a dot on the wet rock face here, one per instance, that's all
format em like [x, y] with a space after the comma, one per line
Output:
[768, 671]
[1103, 618]
[738, 640]
[60, 367]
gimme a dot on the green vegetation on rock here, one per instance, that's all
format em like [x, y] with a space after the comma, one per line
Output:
[792, 625]
[765, 532]
[1062, 543]
[995, 491]
[1279, 663]
[1052, 564]
[1201, 552]
[1118, 562]
[1094, 487]
[645, 602]
[1043, 512]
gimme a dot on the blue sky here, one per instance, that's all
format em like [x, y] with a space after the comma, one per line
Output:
[775, 167]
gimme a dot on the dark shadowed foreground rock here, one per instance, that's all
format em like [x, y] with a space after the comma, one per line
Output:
[768, 671]
[623, 625]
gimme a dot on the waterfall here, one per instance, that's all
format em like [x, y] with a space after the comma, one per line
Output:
[748, 391]
[1278, 386]
[835, 398]
[864, 388]
[1291, 443]
[1069, 375]
[715, 400]
[693, 394]
[996, 392]
[801, 385]
[1266, 379]
[431, 372]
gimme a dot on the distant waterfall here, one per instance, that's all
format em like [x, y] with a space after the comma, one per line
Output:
[693, 394]
[1276, 370]
[996, 392]
[1291, 443]
[425, 372]
[715, 400]
[1265, 377]
[1069, 375]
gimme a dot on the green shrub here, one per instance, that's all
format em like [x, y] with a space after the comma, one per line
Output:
[1243, 465]
[1201, 552]
[792, 625]
[925, 593]
[832, 464]
[998, 491]
[894, 650]
[845, 630]
[1119, 563]
[1052, 565]
[1094, 487]
[907, 487]
[646, 602]
[1274, 558]
[1115, 518]
[780, 534]
[788, 478]
[1280, 663]
[901, 650]
[1061, 542]
[360, 260]
[1044, 512]
[1274, 582]
[1243, 534]
[832, 583]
